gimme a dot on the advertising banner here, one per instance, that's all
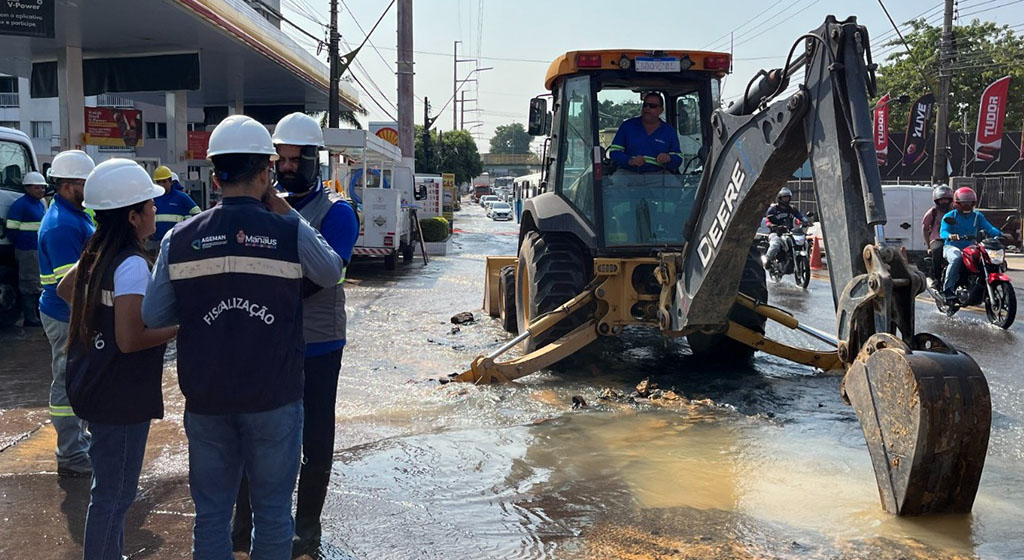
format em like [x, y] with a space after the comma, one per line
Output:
[882, 129]
[917, 130]
[27, 18]
[198, 143]
[448, 201]
[113, 128]
[989, 137]
[385, 130]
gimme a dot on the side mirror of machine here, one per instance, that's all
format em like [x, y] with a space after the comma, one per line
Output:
[538, 116]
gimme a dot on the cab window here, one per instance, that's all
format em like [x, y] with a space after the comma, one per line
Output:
[576, 175]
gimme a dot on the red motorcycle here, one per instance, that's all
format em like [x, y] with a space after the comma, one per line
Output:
[983, 280]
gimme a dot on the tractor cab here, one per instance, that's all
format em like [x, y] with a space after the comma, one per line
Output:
[616, 209]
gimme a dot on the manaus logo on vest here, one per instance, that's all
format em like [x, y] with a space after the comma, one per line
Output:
[257, 241]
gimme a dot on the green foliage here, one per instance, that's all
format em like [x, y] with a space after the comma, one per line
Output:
[611, 114]
[434, 229]
[986, 52]
[454, 152]
[510, 139]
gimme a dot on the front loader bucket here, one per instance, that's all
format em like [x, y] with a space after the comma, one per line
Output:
[926, 415]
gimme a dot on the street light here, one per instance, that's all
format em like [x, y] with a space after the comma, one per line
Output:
[904, 98]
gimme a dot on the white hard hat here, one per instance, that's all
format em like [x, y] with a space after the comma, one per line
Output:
[298, 129]
[239, 134]
[174, 176]
[33, 178]
[117, 183]
[72, 164]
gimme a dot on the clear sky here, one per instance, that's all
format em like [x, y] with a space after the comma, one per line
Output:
[519, 38]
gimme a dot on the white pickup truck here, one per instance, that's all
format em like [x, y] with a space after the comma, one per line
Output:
[16, 159]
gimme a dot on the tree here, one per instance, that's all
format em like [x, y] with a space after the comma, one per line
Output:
[510, 139]
[985, 52]
[611, 113]
[449, 152]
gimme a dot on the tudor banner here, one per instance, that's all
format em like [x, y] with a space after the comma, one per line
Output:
[917, 130]
[989, 138]
[114, 128]
[882, 129]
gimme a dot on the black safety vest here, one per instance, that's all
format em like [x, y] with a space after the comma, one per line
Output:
[108, 386]
[323, 314]
[237, 283]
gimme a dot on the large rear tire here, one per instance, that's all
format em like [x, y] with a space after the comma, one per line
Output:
[507, 299]
[390, 260]
[721, 348]
[1003, 311]
[10, 298]
[552, 269]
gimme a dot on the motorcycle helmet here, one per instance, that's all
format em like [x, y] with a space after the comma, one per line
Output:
[942, 191]
[965, 195]
[784, 192]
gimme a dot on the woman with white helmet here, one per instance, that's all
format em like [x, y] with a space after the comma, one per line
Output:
[115, 362]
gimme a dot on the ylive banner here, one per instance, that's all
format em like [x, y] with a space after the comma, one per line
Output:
[917, 130]
[989, 138]
[882, 129]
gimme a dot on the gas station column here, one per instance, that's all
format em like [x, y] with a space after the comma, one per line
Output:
[71, 98]
[176, 105]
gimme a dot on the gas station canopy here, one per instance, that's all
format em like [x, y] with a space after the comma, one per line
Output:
[243, 58]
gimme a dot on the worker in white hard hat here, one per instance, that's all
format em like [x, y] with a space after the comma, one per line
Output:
[23, 220]
[232, 278]
[298, 140]
[115, 362]
[62, 235]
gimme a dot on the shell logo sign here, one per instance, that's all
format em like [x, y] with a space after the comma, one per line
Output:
[387, 131]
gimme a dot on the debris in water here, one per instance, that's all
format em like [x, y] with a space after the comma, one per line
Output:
[608, 393]
[646, 387]
[578, 402]
[462, 318]
[455, 330]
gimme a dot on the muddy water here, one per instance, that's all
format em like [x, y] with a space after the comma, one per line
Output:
[758, 462]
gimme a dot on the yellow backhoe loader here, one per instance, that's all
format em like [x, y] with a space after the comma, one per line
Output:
[605, 248]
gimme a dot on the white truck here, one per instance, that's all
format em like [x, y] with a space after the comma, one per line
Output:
[383, 190]
[17, 158]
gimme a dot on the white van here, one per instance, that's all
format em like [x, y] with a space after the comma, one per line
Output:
[905, 206]
[17, 158]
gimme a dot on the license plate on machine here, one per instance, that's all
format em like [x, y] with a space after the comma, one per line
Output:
[657, 64]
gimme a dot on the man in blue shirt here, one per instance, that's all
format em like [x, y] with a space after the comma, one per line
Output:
[62, 236]
[647, 144]
[172, 208]
[23, 221]
[961, 233]
[298, 140]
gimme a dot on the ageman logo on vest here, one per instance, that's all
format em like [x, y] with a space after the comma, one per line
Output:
[257, 241]
[255, 310]
[209, 241]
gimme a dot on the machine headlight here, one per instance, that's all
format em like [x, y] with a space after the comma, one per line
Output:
[997, 256]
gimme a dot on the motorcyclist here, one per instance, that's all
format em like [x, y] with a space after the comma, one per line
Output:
[780, 215]
[942, 195]
[958, 235]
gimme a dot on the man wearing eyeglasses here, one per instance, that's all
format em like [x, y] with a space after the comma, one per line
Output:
[646, 144]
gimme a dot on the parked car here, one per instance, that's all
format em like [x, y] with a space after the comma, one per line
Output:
[500, 211]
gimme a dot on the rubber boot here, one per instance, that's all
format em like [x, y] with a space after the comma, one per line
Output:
[241, 523]
[313, 481]
[30, 309]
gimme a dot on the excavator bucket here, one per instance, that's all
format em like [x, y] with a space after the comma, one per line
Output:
[926, 414]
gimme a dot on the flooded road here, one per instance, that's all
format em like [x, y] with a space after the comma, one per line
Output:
[757, 462]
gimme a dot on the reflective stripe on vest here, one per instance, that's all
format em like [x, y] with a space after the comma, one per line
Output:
[171, 218]
[237, 265]
[57, 410]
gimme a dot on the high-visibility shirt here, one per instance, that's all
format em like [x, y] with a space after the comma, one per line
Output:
[62, 236]
[23, 221]
[632, 140]
[172, 208]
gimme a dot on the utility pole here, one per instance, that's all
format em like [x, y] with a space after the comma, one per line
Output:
[455, 83]
[332, 97]
[462, 113]
[405, 82]
[945, 74]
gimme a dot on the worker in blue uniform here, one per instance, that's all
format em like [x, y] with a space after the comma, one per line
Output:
[172, 208]
[23, 221]
[232, 278]
[647, 144]
[298, 139]
[62, 236]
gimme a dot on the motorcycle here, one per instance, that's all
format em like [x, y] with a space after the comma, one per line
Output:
[983, 280]
[793, 257]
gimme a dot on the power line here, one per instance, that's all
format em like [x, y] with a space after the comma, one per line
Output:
[1012, 2]
[752, 37]
[735, 29]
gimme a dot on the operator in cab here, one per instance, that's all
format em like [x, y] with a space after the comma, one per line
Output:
[959, 229]
[780, 214]
[647, 144]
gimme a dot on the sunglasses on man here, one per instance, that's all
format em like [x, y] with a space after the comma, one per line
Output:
[652, 105]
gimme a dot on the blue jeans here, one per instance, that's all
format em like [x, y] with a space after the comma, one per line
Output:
[267, 446]
[956, 266]
[116, 453]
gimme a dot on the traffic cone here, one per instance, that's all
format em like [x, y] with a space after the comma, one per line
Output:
[816, 263]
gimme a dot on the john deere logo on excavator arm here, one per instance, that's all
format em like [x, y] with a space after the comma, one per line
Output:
[709, 243]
